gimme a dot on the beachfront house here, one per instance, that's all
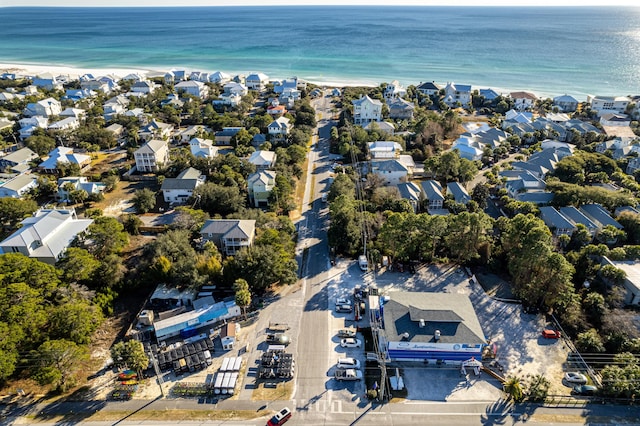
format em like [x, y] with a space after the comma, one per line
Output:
[366, 110]
[608, 104]
[523, 100]
[457, 94]
[257, 81]
[394, 90]
[566, 103]
[430, 88]
[47, 81]
[46, 235]
[152, 155]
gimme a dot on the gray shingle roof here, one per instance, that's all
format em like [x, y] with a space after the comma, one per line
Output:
[452, 314]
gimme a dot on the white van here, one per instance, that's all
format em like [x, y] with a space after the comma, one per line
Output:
[346, 363]
[363, 263]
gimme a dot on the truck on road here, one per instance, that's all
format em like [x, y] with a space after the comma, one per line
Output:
[363, 263]
[348, 374]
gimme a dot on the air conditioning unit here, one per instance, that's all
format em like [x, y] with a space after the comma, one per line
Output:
[421, 323]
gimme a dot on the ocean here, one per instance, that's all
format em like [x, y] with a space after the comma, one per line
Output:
[550, 51]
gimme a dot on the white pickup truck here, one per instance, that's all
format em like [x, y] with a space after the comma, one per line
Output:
[349, 374]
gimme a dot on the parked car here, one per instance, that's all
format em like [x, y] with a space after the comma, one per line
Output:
[343, 301]
[278, 339]
[350, 374]
[575, 377]
[584, 390]
[346, 363]
[344, 308]
[280, 418]
[551, 334]
[350, 343]
[347, 332]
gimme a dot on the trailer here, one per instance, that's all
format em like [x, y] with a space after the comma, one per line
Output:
[349, 374]
[217, 387]
[233, 380]
[225, 364]
[237, 364]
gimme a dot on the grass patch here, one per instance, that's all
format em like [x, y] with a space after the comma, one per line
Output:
[282, 391]
[165, 415]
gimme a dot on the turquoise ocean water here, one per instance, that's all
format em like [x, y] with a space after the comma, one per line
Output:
[548, 50]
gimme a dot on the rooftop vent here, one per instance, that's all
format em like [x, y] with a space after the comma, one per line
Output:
[405, 335]
[436, 335]
[421, 323]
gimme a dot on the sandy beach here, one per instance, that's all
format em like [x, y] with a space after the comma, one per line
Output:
[32, 69]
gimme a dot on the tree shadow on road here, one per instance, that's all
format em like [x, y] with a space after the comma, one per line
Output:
[497, 413]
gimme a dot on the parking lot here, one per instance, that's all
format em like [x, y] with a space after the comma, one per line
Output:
[521, 349]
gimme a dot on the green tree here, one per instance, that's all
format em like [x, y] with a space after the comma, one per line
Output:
[130, 354]
[132, 224]
[589, 341]
[106, 236]
[479, 194]
[218, 199]
[513, 388]
[537, 388]
[144, 200]
[13, 210]
[75, 321]
[40, 144]
[243, 295]
[59, 362]
[175, 247]
[622, 377]
[78, 265]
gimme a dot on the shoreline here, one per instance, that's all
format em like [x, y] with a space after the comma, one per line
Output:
[35, 69]
[120, 72]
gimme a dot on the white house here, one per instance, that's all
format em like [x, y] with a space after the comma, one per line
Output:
[257, 81]
[615, 120]
[18, 186]
[68, 123]
[155, 130]
[279, 128]
[192, 87]
[178, 190]
[77, 183]
[202, 148]
[219, 77]
[366, 110]
[233, 88]
[73, 112]
[394, 90]
[46, 235]
[45, 108]
[384, 149]
[152, 155]
[114, 106]
[392, 171]
[63, 155]
[47, 81]
[229, 99]
[608, 104]
[523, 100]
[457, 93]
[21, 157]
[144, 86]
[29, 124]
[260, 185]
[263, 160]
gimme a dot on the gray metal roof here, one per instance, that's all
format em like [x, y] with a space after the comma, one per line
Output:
[229, 228]
[432, 190]
[600, 215]
[554, 219]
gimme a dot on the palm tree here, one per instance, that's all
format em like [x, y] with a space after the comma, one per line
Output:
[513, 388]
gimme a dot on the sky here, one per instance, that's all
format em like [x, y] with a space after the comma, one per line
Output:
[182, 3]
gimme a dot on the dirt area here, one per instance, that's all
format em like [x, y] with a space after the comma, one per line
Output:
[101, 162]
[118, 201]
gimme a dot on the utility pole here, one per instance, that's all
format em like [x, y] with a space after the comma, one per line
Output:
[158, 373]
